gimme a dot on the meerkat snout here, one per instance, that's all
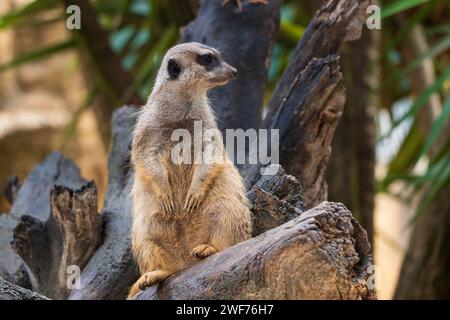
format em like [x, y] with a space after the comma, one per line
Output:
[234, 72]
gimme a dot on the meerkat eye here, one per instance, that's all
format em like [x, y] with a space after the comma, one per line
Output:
[174, 69]
[205, 59]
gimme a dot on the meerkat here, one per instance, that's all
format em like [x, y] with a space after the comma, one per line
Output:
[183, 212]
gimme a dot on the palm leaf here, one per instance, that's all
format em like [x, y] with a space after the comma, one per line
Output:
[400, 6]
[437, 127]
[436, 186]
[442, 46]
[38, 54]
[410, 24]
[421, 100]
[22, 14]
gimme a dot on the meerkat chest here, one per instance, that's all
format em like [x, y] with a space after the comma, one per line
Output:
[187, 135]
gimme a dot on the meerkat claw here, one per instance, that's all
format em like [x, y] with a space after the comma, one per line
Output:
[203, 251]
[192, 202]
[150, 278]
[167, 203]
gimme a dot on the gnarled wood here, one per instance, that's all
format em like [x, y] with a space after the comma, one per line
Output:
[10, 291]
[68, 237]
[319, 255]
[309, 98]
[274, 200]
[33, 200]
[112, 270]
[12, 266]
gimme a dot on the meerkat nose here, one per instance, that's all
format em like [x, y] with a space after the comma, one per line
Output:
[234, 72]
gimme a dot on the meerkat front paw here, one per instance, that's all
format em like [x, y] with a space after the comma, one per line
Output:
[193, 200]
[150, 278]
[203, 251]
[166, 202]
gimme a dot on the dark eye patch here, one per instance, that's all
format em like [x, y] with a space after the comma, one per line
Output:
[174, 69]
[208, 60]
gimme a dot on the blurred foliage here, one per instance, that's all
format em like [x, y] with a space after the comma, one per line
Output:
[429, 179]
[140, 31]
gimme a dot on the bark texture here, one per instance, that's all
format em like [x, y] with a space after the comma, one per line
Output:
[351, 171]
[67, 239]
[424, 273]
[308, 101]
[320, 243]
[10, 291]
[112, 270]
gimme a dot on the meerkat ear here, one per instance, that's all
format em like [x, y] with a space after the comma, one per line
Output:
[174, 69]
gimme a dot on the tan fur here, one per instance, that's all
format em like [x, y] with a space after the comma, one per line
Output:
[182, 212]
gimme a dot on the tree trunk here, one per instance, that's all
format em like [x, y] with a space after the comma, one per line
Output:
[425, 268]
[424, 273]
[309, 99]
[10, 291]
[117, 83]
[351, 172]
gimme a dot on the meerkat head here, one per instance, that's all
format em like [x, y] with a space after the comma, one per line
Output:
[195, 66]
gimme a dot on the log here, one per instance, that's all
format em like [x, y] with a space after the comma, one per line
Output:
[34, 195]
[112, 270]
[12, 266]
[245, 39]
[275, 200]
[32, 203]
[353, 156]
[336, 22]
[10, 291]
[67, 239]
[11, 189]
[57, 223]
[309, 98]
[322, 254]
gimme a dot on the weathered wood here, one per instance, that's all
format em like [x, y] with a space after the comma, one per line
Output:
[351, 170]
[306, 123]
[67, 238]
[10, 291]
[112, 270]
[12, 266]
[11, 189]
[34, 195]
[336, 22]
[33, 200]
[320, 255]
[274, 200]
[309, 98]
[245, 39]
